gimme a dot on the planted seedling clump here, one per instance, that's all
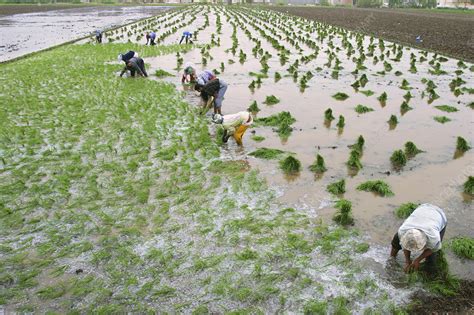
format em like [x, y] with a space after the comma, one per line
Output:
[462, 145]
[361, 109]
[382, 99]
[344, 215]
[328, 115]
[405, 108]
[271, 100]
[290, 165]
[378, 187]
[411, 149]
[253, 107]
[441, 119]
[340, 96]
[405, 210]
[318, 166]
[398, 159]
[282, 120]
[469, 186]
[337, 188]
[341, 123]
[393, 121]
[447, 108]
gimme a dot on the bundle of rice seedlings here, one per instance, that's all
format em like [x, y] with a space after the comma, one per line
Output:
[398, 159]
[411, 149]
[318, 166]
[290, 165]
[405, 210]
[376, 186]
[462, 145]
[337, 188]
[328, 115]
[344, 215]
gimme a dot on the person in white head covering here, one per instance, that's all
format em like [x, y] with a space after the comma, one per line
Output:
[234, 125]
[421, 232]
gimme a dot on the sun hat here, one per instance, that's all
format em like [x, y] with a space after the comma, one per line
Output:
[217, 119]
[413, 240]
[188, 70]
[119, 57]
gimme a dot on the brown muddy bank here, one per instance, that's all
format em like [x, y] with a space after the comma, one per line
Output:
[447, 33]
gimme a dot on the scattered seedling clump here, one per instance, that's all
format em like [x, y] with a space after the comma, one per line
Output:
[282, 120]
[462, 145]
[447, 108]
[271, 100]
[266, 153]
[411, 149]
[341, 122]
[328, 115]
[340, 96]
[382, 99]
[469, 186]
[257, 138]
[378, 187]
[254, 107]
[162, 73]
[361, 109]
[463, 247]
[441, 119]
[344, 215]
[398, 159]
[405, 210]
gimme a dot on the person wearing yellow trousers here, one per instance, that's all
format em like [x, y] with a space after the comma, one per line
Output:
[234, 125]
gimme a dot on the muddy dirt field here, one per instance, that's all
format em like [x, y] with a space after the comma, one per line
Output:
[446, 33]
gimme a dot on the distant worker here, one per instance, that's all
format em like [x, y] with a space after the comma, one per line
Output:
[127, 56]
[422, 232]
[186, 35]
[212, 94]
[98, 36]
[150, 38]
[135, 65]
[234, 125]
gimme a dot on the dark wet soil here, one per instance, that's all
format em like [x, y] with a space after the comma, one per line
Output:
[462, 303]
[9, 9]
[447, 33]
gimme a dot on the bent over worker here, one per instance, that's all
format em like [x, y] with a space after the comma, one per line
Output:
[127, 56]
[422, 232]
[186, 35]
[135, 64]
[234, 125]
[212, 94]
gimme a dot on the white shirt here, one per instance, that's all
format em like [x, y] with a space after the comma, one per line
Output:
[430, 220]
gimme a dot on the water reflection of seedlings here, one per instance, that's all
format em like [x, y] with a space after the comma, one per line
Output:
[337, 188]
[378, 187]
[405, 210]
[290, 165]
[344, 215]
[398, 159]
[318, 166]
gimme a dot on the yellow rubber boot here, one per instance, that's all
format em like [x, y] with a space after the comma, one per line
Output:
[238, 134]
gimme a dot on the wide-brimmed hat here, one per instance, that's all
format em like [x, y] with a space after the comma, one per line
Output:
[413, 240]
[189, 70]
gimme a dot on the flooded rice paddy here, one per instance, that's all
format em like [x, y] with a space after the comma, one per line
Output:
[174, 223]
[30, 32]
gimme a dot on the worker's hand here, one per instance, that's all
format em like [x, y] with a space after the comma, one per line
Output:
[407, 266]
[415, 265]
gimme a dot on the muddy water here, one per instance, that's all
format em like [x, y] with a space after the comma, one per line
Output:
[434, 176]
[29, 32]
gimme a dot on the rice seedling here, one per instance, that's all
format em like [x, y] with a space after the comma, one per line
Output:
[382, 99]
[266, 153]
[253, 108]
[404, 108]
[277, 76]
[257, 138]
[462, 145]
[393, 121]
[362, 109]
[463, 246]
[340, 96]
[282, 120]
[407, 96]
[328, 115]
[469, 186]
[341, 122]
[315, 308]
[405, 210]
[344, 214]
[411, 149]
[337, 188]
[378, 187]
[271, 100]
[367, 92]
[398, 159]
[318, 166]
[447, 108]
[441, 119]
[405, 85]
[290, 165]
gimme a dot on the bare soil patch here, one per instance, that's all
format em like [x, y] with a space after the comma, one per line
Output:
[447, 33]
